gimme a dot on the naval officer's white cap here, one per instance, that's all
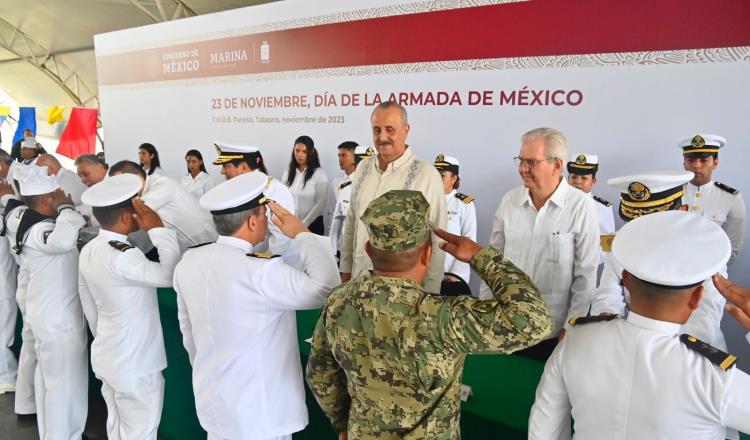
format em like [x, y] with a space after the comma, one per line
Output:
[113, 192]
[642, 194]
[674, 249]
[584, 163]
[229, 152]
[701, 144]
[238, 194]
[446, 163]
[34, 180]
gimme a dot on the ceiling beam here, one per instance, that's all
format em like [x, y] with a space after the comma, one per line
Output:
[163, 10]
[47, 62]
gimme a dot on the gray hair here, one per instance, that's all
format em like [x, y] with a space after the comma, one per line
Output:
[228, 224]
[555, 144]
[5, 157]
[91, 159]
[392, 104]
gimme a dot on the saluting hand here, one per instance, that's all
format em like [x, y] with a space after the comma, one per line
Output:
[6, 188]
[462, 248]
[60, 198]
[287, 222]
[738, 296]
[146, 217]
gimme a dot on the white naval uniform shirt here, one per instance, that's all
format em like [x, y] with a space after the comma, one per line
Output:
[198, 185]
[13, 223]
[704, 323]
[239, 328]
[557, 246]
[339, 214]
[726, 209]
[462, 220]
[50, 258]
[634, 379]
[179, 211]
[309, 198]
[333, 195]
[406, 172]
[606, 219]
[71, 184]
[118, 295]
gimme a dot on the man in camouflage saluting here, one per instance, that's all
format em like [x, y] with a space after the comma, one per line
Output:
[398, 350]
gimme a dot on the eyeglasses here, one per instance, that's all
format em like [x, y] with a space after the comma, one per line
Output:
[530, 163]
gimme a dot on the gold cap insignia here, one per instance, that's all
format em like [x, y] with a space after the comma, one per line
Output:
[581, 159]
[370, 151]
[440, 158]
[639, 191]
[698, 142]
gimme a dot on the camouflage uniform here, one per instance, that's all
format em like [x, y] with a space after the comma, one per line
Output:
[387, 357]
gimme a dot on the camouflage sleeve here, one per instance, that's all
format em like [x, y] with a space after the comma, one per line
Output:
[517, 318]
[326, 378]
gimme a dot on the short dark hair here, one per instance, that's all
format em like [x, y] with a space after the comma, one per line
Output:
[387, 261]
[127, 167]
[657, 292]
[107, 217]
[349, 145]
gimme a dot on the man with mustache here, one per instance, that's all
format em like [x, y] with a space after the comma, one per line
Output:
[394, 167]
[714, 200]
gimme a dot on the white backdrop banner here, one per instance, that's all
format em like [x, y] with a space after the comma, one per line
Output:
[623, 81]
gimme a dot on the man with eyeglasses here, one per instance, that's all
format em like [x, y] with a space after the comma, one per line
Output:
[549, 230]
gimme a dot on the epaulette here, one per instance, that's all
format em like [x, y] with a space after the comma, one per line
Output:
[726, 188]
[589, 319]
[717, 357]
[199, 245]
[120, 246]
[345, 184]
[262, 255]
[603, 202]
[464, 198]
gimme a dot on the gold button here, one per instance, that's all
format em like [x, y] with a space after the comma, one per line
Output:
[697, 194]
[692, 339]
[695, 208]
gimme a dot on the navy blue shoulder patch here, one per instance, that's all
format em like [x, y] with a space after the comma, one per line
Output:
[199, 245]
[726, 188]
[606, 203]
[264, 255]
[120, 246]
[464, 198]
[589, 319]
[717, 357]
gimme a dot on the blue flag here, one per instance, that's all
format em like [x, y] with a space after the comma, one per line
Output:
[26, 120]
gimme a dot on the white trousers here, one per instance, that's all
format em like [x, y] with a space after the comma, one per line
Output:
[25, 401]
[61, 386]
[8, 363]
[133, 407]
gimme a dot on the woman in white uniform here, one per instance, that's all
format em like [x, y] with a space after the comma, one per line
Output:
[149, 159]
[197, 181]
[308, 184]
[462, 220]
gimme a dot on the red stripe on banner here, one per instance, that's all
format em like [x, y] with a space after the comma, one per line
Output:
[532, 28]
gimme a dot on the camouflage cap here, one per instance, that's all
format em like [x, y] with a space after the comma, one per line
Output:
[398, 220]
